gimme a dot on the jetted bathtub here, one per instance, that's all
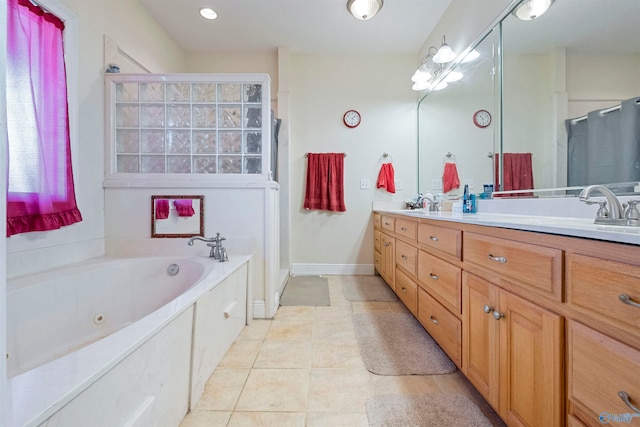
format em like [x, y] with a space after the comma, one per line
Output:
[109, 341]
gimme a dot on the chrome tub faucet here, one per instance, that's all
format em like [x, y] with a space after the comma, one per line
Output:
[217, 252]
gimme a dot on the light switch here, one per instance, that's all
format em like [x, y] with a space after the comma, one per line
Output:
[365, 184]
[436, 184]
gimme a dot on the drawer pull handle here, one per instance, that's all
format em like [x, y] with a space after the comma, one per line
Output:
[487, 309]
[386, 223]
[627, 401]
[433, 276]
[404, 290]
[497, 315]
[403, 228]
[403, 256]
[434, 238]
[433, 320]
[498, 259]
[627, 300]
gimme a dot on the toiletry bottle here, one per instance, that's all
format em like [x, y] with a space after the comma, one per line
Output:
[466, 202]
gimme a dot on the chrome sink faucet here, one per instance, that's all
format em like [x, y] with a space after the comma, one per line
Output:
[433, 204]
[615, 210]
[217, 252]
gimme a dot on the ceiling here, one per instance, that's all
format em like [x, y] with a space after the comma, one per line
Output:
[322, 27]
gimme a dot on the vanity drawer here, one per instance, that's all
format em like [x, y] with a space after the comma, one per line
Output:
[377, 220]
[406, 257]
[388, 223]
[443, 326]
[442, 280]
[377, 240]
[599, 368]
[539, 267]
[407, 291]
[443, 239]
[595, 287]
[407, 228]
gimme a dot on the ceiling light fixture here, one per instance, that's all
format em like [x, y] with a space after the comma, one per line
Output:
[444, 54]
[364, 9]
[208, 13]
[529, 10]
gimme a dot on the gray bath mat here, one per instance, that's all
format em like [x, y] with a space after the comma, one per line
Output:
[425, 410]
[396, 344]
[367, 288]
[306, 290]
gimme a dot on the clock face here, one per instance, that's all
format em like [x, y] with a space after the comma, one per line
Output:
[351, 118]
[482, 118]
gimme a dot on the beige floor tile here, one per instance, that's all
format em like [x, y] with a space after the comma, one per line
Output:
[257, 330]
[242, 354]
[408, 384]
[336, 354]
[206, 419]
[295, 313]
[338, 390]
[331, 312]
[222, 389]
[284, 354]
[325, 419]
[290, 330]
[339, 328]
[269, 390]
[267, 419]
[370, 307]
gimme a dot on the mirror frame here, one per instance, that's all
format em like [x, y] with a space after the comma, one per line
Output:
[154, 232]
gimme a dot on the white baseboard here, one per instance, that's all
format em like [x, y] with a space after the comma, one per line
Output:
[332, 269]
[259, 309]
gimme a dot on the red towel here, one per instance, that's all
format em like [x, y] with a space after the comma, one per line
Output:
[386, 178]
[450, 178]
[325, 182]
[517, 173]
[184, 207]
[162, 209]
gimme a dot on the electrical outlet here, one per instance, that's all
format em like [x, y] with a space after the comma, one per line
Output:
[436, 184]
[399, 184]
[365, 184]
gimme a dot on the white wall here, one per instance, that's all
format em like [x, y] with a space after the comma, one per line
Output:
[128, 24]
[322, 89]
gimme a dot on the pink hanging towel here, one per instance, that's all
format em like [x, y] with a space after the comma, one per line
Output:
[325, 182]
[386, 178]
[450, 178]
[184, 207]
[162, 209]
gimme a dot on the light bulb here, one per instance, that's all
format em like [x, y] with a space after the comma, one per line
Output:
[453, 76]
[471, 56]
[418, 86]
[208, 13]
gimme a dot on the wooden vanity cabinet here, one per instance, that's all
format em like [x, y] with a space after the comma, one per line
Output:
[513, 354]
[384, 247]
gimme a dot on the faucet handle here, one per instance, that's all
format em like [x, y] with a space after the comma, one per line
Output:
[603, 212]
[632, 210]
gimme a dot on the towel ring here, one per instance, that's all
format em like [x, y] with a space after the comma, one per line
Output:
[449, 158]
[385, 158]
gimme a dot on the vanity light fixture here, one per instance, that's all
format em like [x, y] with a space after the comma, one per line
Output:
[208, 13]
[471, 56]
[444, 54]
[529, 10]
[453, 76]
[364, 9]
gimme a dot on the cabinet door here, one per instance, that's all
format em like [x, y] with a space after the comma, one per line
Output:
[531, 363]
[388, 259]
[480, 336]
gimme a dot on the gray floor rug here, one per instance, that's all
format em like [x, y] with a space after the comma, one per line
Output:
[306, 290]
[396, 344]
[367, 288]
[425, 410]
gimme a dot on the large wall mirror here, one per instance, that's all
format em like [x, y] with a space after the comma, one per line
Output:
[177, 216]
[568, 95]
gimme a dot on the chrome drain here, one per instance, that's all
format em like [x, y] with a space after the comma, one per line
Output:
[98, 318]
[173, 269]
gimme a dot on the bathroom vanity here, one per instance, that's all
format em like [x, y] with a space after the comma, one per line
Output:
[543, 319]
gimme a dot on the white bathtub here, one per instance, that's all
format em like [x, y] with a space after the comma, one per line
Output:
[109, 341]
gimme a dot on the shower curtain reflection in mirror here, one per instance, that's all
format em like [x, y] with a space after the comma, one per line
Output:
[604, 145]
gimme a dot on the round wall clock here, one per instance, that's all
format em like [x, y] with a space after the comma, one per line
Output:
[482, 118]
[351, 118]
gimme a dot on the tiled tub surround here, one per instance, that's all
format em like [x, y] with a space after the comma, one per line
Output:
[494, 288]
[139, 344]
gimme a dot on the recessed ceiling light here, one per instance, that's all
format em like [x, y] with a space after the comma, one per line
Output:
[208, 13]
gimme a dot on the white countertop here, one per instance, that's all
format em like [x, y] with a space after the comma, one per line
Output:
[565, 226]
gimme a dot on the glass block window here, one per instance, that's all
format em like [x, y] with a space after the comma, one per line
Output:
[188, 127]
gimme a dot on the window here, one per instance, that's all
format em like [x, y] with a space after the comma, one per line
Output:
[40, 194]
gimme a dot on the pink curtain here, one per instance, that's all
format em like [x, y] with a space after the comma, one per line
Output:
[40, 193]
